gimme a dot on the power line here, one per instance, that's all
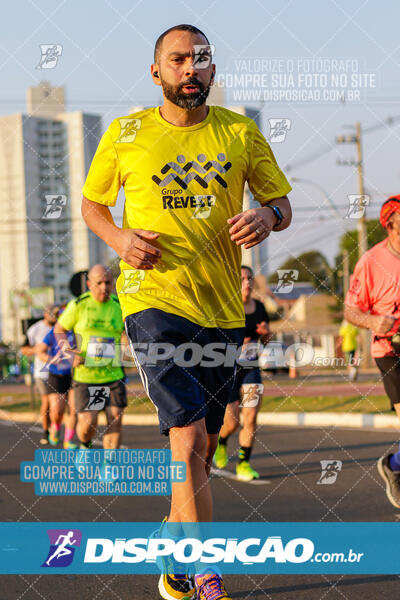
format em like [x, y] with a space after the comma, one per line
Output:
[326, 148]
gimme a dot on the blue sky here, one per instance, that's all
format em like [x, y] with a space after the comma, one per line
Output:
[107, 50]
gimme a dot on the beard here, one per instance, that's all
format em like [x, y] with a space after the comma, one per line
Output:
[174, 94]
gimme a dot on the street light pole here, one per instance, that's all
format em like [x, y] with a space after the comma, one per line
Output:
[362, 224]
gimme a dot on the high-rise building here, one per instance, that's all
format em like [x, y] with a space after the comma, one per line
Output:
[44, 158]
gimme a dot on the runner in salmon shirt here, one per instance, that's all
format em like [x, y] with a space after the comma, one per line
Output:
[373, 302]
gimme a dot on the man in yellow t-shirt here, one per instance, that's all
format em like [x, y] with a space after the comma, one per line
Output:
[348, 333]
[348, 336]
[183, 167]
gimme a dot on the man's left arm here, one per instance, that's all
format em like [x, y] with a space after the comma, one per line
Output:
[269, 187]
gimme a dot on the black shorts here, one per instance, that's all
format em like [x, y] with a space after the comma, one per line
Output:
[42, 386]
[188, 391]
[59, 384]
[96, 397]
[245, 376]
[389, 366]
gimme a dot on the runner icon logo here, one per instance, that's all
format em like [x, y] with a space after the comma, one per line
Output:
[203, 54]
[203, 208]
[278, 130]
[132, 279]
[63, 543]
[98, 396]
[50, 55]
[252, 393]
[128, 129]
[357, 206]
[330, 470]
[54, 206]
[287, 277]
[194, 170]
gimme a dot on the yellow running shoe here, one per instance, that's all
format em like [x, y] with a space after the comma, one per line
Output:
[173, 587]
[245, 472]
[53, 436]
[221, 456]
[70, 446]
[174, 583]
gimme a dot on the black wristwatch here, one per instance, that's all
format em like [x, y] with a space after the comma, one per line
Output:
[278, 213]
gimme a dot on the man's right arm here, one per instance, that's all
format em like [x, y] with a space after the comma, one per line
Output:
[129, 244]
[380, 324]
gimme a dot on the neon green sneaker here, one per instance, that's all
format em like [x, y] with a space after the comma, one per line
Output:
[70, 445]
[221, 456]
[53, 436]
[245, 472]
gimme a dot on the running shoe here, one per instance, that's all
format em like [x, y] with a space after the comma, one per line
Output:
[221, 456]
[86, 446]
[70, 446]
[245, 471]
[174, 583]
[211, 587]
[53, 436]
[44, 440]
[391, 478]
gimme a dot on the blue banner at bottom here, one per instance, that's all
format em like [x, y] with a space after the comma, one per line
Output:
[251, 548]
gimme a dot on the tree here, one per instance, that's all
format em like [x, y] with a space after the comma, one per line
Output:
[312, 266]
[349, 241]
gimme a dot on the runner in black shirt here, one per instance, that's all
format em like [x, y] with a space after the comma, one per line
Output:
[248, 387]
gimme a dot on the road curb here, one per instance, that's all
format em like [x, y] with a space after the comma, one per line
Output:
[287, 419]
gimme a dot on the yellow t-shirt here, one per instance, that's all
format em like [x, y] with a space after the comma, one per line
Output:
[184, 183]
[348, 333]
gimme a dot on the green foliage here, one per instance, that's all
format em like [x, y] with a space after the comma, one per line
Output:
[349, 241]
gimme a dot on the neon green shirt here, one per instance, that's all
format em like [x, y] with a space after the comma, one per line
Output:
[97, 327]
[348, 333]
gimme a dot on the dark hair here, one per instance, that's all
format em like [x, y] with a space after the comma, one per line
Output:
[182, 27]
[248, 268]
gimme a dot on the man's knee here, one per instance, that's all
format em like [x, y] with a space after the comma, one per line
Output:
[190, 442]
[87, 425]
[249, 419]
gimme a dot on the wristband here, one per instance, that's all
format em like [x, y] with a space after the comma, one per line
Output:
[278, 214]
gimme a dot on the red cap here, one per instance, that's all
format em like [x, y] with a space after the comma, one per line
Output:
[389, 207]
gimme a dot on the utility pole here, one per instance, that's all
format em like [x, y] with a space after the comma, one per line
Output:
[362, 221]
[361, 225]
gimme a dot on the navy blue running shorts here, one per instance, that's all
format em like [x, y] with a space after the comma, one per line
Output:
[243, 376]
[182, 386]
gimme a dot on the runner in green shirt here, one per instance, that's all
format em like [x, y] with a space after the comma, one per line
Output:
[98, 378]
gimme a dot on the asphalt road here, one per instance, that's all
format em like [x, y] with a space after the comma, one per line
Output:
[287, 458]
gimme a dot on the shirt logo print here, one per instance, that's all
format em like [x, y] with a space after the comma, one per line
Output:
[194, 170]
